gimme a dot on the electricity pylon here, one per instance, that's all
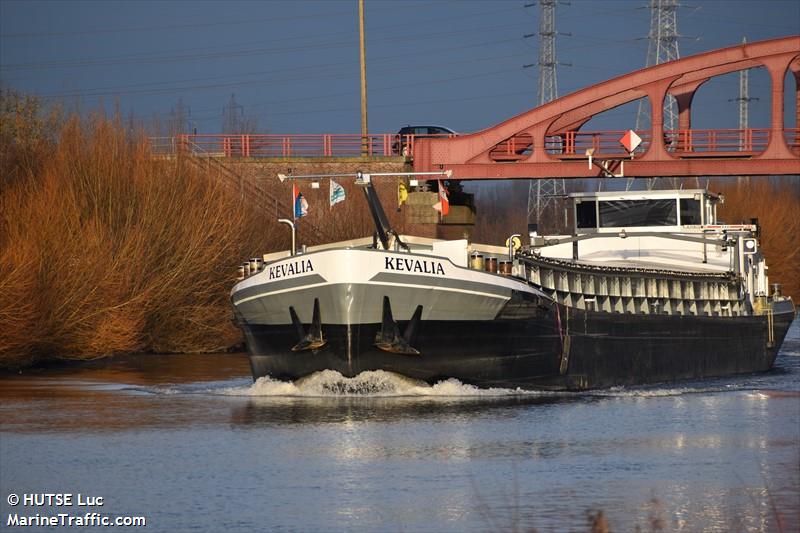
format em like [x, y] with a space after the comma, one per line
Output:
[744, 110]
[744, 103]
[232, 117]
[662, 47]
[543, 194]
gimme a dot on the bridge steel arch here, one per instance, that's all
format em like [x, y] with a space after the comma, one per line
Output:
[540, 142]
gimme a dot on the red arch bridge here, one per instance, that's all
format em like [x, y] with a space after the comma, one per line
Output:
[547, 141]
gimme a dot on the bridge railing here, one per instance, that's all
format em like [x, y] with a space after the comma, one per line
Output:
[570, 144]
[295, 145]
[699, 141]
[289, 145]
[728, 140]
[576, 143]
[162, 145]
[792, 136]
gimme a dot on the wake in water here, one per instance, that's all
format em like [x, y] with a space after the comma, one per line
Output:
[383, 384]
[377, 383]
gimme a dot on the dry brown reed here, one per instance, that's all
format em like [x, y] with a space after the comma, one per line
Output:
[501, 211]
[27, 130]
[104, 249]
[776, 204]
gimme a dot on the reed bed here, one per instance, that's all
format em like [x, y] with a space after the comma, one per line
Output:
[104, 249]
[776, 204]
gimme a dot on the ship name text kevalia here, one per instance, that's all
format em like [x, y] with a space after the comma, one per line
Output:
[290, 269]
[402, 264]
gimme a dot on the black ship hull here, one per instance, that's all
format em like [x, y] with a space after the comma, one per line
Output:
[639, 294]
[536, 346]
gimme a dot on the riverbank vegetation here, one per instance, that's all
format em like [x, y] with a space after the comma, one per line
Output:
[105, 249]
[776, 204]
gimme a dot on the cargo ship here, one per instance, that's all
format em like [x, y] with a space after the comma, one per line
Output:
[648, 287]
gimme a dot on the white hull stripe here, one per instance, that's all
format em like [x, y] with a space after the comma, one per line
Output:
[277, 286]
[273, 293]
[441, 283]
[378, 284]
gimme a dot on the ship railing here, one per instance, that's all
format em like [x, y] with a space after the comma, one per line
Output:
[707, 237]
[623, 290]
[623, 233]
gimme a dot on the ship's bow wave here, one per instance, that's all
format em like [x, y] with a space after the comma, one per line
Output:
[377, 383]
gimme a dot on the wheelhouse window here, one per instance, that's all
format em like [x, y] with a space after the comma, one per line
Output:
[690, 212]
[631, 213]
[586, 215]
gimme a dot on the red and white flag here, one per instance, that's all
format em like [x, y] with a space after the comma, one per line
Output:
[443, 205]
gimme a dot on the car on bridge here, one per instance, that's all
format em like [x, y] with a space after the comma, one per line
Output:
[405, 137]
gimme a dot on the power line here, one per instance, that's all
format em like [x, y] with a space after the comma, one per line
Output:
[306, 111]
[300, 38]
[715, 18]
[139, 59]
[171, 27]
[396, 104]
[315, 72]
[191, 26]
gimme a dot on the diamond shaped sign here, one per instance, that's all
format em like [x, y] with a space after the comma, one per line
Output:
[630, 141]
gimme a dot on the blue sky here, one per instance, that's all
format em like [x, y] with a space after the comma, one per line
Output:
[293, 66]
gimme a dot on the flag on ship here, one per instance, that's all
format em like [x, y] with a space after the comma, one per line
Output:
[402, 193]
[443, 205]
[300, 203]
[337, 193]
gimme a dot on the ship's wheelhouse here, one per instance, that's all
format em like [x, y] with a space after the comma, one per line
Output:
[653, 210]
